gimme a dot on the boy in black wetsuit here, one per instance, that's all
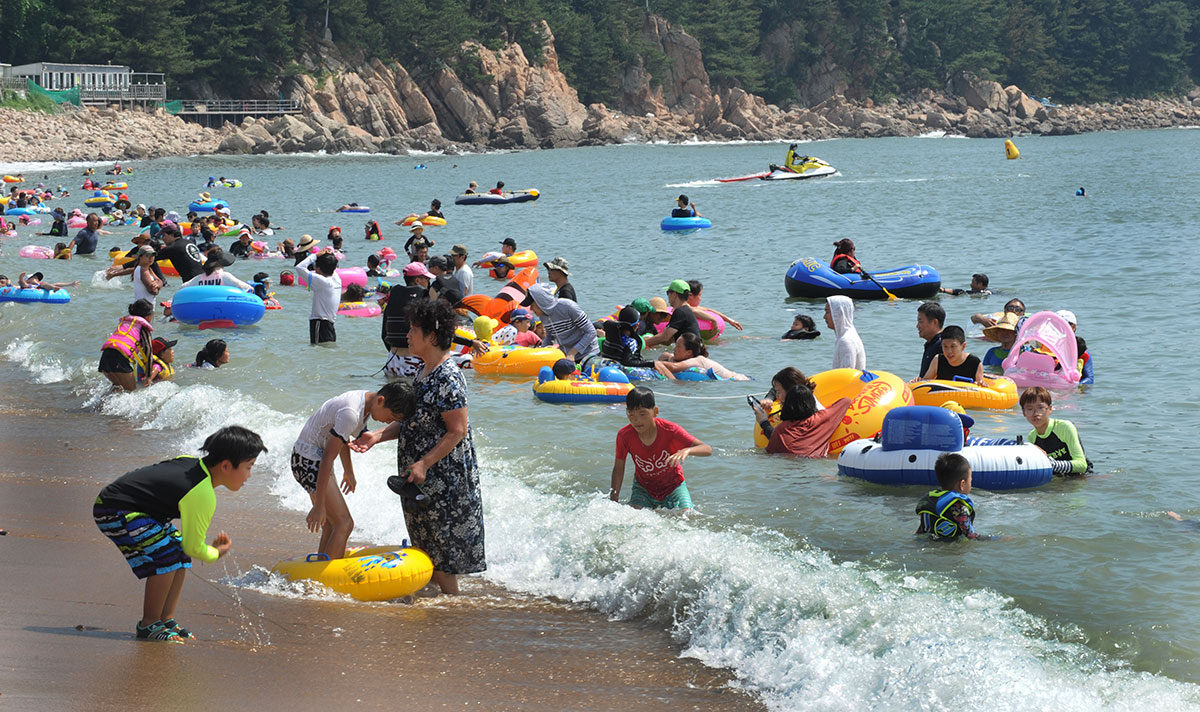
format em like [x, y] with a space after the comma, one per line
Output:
[948, 512]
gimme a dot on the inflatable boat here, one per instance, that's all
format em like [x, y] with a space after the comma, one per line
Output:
[810, 278]
[609, 386]
[913, 437]
[516, 196]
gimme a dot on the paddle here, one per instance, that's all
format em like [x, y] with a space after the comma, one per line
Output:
[891, 297]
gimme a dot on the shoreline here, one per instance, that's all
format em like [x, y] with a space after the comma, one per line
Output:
[69, 603]
[105, 134]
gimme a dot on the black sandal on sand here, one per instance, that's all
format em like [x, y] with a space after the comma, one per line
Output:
[157, 631]
[179, 630]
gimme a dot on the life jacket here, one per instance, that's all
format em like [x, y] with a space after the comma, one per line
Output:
[855, 265]
[132, 338]
[159, 368]
[933, 508]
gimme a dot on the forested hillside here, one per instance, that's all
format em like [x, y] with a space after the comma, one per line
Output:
[1072, 50]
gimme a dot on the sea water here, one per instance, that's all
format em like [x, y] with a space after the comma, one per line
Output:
[811, 588]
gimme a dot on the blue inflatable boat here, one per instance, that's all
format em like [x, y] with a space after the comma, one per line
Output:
[914, 436]
[811, 278]
[194, 305]
[207, 206]
[677, 224]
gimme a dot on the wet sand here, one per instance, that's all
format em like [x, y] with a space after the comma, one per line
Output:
[68, 604]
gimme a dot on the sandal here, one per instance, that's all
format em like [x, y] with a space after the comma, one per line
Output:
[157, 631]
[179, 630]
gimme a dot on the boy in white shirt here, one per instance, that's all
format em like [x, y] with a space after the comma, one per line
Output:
[326, 288]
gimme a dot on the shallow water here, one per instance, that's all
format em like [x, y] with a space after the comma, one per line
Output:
[810, 587]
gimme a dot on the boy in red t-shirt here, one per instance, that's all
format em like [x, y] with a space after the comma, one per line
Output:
[658, 448]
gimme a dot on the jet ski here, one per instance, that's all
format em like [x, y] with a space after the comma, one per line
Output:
[799, 167]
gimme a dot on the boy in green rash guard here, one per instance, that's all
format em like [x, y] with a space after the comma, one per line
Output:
[135, 512]
[1057, 437]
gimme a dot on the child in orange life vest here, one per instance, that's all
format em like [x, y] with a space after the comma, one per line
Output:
[129, 347]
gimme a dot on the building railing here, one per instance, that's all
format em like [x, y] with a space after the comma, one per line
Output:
[134, 92]
[241, 106]
[13, 83]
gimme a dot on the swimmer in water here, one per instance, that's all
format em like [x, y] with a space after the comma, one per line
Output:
[1081, 193]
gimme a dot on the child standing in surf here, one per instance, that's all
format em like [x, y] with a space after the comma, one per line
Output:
[658, 448]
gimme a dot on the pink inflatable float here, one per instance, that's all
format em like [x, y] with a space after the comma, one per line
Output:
[349, 275]
[1054, 362]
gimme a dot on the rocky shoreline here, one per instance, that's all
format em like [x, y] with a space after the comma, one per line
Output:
[360, 104]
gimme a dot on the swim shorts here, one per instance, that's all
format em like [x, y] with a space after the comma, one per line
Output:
[150, 547]
[113, 361]
[305, 472]
[321, 331]
[679, 498]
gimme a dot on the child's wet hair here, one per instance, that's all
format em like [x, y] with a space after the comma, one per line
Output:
[142, 307]
[353, 293]
[400, 398]
[981, 278]
[233, 443]
[806, 321]
[640, 397]
[951, 468]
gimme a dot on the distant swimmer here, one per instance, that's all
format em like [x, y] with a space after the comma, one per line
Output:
[1081, 193]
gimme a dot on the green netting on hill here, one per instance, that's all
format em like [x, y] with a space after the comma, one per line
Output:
[172, 107]
[66, 96]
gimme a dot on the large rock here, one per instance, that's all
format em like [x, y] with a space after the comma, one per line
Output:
[979, 93]
[236, 143]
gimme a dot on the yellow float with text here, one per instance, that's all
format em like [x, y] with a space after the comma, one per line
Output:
[872, 395]
[997, 393]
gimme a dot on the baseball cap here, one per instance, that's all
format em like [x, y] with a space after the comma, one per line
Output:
[1068, 316]
[416, 225]
[160, 344]
[679, 286]
[563, 367]
[509, 241]
[170, 226]
[520, 314]
[417, 269]
[459, 250]
[642, 305]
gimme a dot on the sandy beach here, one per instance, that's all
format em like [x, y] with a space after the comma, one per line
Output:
[68, 604]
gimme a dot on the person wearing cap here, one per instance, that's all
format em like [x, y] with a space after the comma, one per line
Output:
[567, 325]
[1003, 332]
[558, 271]
[417, 238]
[304, 247]
[654, 311]
[564, 369]
[59, 227]
[683, 319]
[146, 284]
[35, 282]
[620, 340]
[522, 320]
[1014, 306]
[1086, 376]
[463, 273]
[182, 252]
[685, 208]
[161, 368]
[241, 247]
[215, 275]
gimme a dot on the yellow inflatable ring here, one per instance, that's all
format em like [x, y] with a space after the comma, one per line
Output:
[999, 393]
[378, 573]
[426, 221]
[870, 401]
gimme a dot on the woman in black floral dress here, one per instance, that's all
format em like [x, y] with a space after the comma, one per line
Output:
[435, 450]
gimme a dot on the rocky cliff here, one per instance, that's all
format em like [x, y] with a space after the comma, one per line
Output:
[354, 103]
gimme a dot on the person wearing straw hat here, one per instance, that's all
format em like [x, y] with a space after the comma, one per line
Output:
[305, 246]
[558, 271]
[1004, 332]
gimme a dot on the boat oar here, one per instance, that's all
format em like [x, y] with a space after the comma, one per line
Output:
[891, 297]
